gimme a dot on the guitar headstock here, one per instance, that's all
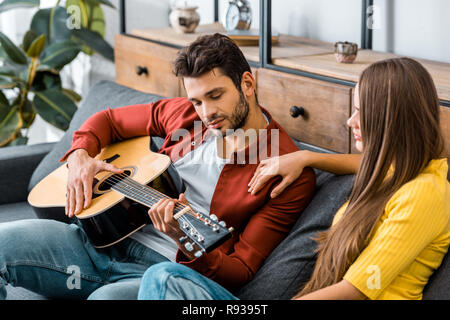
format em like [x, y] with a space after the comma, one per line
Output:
[205, 232]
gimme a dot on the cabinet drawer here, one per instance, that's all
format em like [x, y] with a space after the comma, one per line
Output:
[445, 127]
[326, 108]
[146, 66]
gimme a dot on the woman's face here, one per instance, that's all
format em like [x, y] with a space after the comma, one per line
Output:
[353, 121]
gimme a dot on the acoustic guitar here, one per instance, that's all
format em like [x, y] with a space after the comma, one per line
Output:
[106, 222]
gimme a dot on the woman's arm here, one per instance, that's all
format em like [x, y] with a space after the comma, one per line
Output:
[335, 163]
[342, 290]
[290, 166]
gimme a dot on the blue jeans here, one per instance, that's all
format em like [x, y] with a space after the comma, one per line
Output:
[57, 260]
[173, 281]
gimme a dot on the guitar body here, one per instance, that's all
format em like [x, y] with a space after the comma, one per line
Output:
[119, 201]
[108, 219]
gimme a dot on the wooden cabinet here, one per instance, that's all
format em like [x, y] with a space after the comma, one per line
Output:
[325, 107]
[445, 126]
[146, 66]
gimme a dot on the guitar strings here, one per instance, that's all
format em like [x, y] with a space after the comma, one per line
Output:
[120, 187]
[155, 193]
[140, 188]
[141, 192]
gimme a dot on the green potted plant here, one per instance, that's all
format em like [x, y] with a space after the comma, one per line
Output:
[30, 80]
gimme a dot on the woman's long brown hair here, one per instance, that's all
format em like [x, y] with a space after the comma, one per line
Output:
[399, 121]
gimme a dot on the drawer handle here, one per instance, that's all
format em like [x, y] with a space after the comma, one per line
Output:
[296, 111]
[141, 70]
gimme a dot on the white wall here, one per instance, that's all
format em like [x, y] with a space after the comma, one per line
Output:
[327, 20]
[324, 20]
[416, 28]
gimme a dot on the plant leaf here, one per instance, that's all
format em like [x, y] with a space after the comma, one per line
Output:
[57, 55]
[95, 41]
[28, 39]
[7, 83]
[105, 2]
[55, 29]
[79, 12]
[13, 4]
[40, 23]
[96, 22]
[3, 101]
[45, 80]
[75, 97]
[4, 105]
[54, 107]
[14, 72]
[7, 71]
[10, 123]
[12, 51]
[28, 114]
[36, 47]
[18, 141]
[92, 18]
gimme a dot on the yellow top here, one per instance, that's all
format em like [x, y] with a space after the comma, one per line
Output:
[410, 240]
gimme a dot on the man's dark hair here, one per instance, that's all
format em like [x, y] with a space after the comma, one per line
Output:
[212, 51]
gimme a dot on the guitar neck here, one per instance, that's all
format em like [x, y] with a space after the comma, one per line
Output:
[142, 194]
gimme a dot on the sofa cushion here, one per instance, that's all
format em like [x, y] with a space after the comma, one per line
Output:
[17, 164]
[16, 211]
[18, 293]
[438, 287]
[290, 265]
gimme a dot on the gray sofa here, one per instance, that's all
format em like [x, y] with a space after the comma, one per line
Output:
[282, 274]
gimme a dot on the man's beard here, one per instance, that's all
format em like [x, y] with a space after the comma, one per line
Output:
[240, 113]
[238, 117]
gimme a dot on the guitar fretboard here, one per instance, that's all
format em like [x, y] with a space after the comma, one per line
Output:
[143, 194]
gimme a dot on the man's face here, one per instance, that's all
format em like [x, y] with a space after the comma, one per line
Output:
[217, 101]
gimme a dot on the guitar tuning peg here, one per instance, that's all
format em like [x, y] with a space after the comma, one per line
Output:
[213, 217]
[223, 224]
[189, 247]
[182, 239]
[198, 254]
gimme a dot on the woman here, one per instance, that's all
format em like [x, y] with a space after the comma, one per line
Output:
[394, 231]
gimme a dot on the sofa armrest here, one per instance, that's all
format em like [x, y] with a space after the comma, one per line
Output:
[17, 164]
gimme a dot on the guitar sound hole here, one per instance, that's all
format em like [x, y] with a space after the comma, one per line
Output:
[106, 184]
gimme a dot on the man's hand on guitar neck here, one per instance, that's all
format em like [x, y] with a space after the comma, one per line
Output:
[163, 220]
[82, 170]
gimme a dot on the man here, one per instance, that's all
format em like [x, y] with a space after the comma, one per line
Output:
[215, 167]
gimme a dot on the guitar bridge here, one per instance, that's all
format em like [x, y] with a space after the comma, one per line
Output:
[111, 159]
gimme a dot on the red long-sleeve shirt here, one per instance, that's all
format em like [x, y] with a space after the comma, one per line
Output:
[260, 222]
